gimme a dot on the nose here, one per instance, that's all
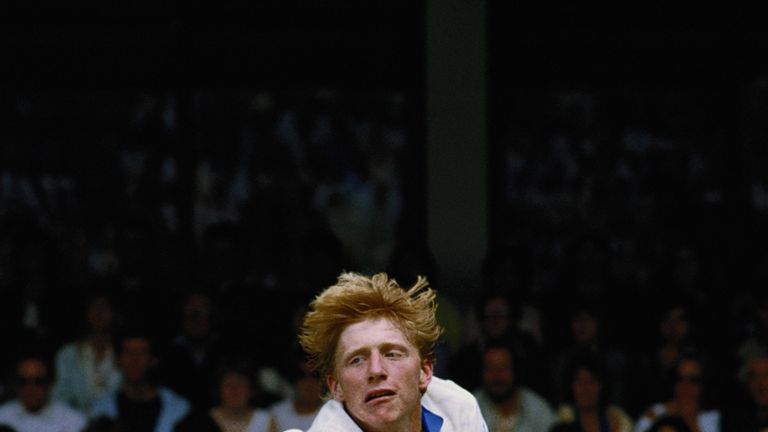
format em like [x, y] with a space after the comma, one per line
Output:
[376, 368]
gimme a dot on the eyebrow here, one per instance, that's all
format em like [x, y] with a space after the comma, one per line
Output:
[366, 349]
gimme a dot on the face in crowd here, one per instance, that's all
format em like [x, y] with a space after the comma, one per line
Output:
[688, 384]
[498, 373]
[235, 390]
[379, 376]
[34, 384]
[757, 381]
[135, 359]
[586, 389]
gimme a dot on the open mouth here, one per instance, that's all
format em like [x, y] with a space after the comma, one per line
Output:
[378, 394]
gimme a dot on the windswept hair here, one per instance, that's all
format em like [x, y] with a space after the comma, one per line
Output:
[355, 298]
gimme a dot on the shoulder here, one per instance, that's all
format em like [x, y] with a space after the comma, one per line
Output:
[531, 398]
[333, 418]
[709, 416]
[280, 406]
[565, 413]
[618, 419]
[65, 412]
[171, 397]
[67, 351]
[9, 408]
[259, 421]
[106, 405]
[458, 407]
[444, 391]
[654, 411]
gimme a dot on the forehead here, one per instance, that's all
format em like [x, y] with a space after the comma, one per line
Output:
[498, 356]
[32, 367]
[371, 332]
[136, 344]
[758, 365]
[689, 366]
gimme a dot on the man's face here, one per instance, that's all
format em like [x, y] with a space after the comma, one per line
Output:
[688, 385]
[498, 374]
[135, 359]
[379, 376]
[584, 327]
[758, 381]
[586, 389]
[235, 390]
[34, 384]
[496, 322]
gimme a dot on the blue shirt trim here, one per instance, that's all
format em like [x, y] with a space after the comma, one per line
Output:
[430, 421]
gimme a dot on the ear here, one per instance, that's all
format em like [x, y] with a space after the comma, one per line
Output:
[425, 375]
[335, 388]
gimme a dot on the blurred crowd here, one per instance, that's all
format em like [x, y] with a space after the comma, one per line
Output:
[157, 252]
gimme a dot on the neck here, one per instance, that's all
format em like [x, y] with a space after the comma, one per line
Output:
[100, 343]
[590, 421]
[306, 407]
[37, 409]
[510, 405]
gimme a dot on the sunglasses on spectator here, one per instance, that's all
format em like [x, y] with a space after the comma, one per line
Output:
[37, 381]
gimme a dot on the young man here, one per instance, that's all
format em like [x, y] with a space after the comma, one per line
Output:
[504, 403]
[373, 343]
[33, 410]
[140, 405]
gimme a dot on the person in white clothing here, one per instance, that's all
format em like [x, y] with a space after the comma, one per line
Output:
[299, 410]
[506, 405]
[33, 410]
[86, 369]
[373, 344]
[685, 402]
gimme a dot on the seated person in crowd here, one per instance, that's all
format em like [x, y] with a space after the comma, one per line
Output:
[298, 411]
[498, 319]
[86, 368]
[235, 412]
[33, 410]
[506, 405]
[139, 405]
[670, 424]
[749, 413]
[687, 384]
[194, 352]
[373, 343]
[586, 408]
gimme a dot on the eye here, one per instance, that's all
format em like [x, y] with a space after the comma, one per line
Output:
[355, 360]
[393, 354]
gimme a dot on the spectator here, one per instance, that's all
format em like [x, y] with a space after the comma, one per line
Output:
[235, 412]
[86, 369]
[498, 322]
[300, 410]
[506, 405]
[674, 332]
[586, 408]
[139, 404]
[33, 410]
[749, 413]
[194, 352]
[670, 424]
[686, 400]
[586, 340]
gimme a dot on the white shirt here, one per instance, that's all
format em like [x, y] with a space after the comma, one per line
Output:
[709, 421]
[54, 417]
[456, 406]
[285, 416]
